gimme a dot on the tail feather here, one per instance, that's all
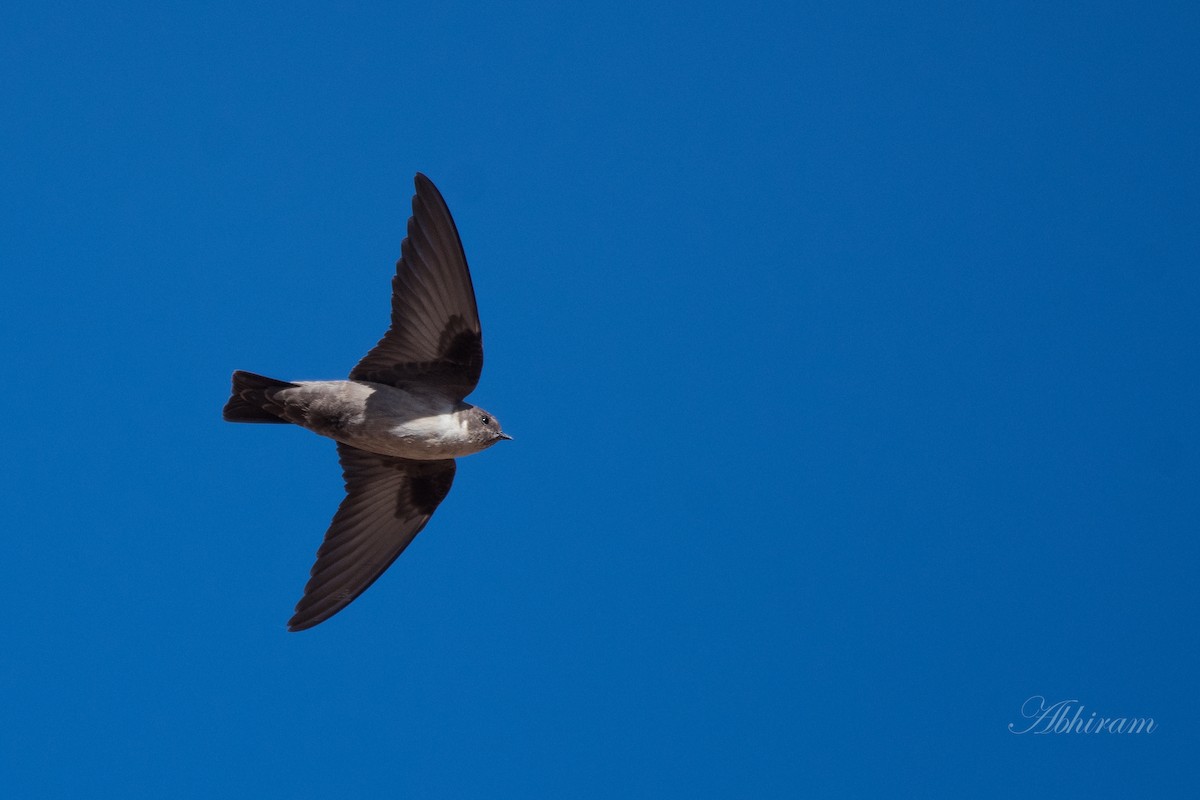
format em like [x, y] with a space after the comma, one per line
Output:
[253, 400]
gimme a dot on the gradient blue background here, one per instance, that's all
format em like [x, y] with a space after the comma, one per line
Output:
[851, 353]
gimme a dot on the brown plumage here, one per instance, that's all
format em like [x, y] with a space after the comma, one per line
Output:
[399, 421]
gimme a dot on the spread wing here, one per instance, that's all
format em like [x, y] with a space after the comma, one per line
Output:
[435, 340]
[388, 501]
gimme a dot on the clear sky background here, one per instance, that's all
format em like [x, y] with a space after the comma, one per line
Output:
[851, 353]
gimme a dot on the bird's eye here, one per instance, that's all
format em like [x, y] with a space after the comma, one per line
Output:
[485, 419]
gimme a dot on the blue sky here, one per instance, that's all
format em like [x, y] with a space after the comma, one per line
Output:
[850, 352]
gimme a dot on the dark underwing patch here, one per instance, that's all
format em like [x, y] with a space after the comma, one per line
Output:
[428, 487]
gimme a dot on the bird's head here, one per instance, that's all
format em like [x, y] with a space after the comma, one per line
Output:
[483, 428]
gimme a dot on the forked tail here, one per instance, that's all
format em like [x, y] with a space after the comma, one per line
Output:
[253, 399]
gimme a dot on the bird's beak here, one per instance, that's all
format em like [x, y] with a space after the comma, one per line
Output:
[505, 436]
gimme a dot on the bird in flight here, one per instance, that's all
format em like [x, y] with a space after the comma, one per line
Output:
[399, 421]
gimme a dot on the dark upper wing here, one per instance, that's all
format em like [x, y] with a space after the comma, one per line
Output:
[435, 338]
[388, 501]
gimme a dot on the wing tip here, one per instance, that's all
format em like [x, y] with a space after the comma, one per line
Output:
[302, 620]
[426, 189]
